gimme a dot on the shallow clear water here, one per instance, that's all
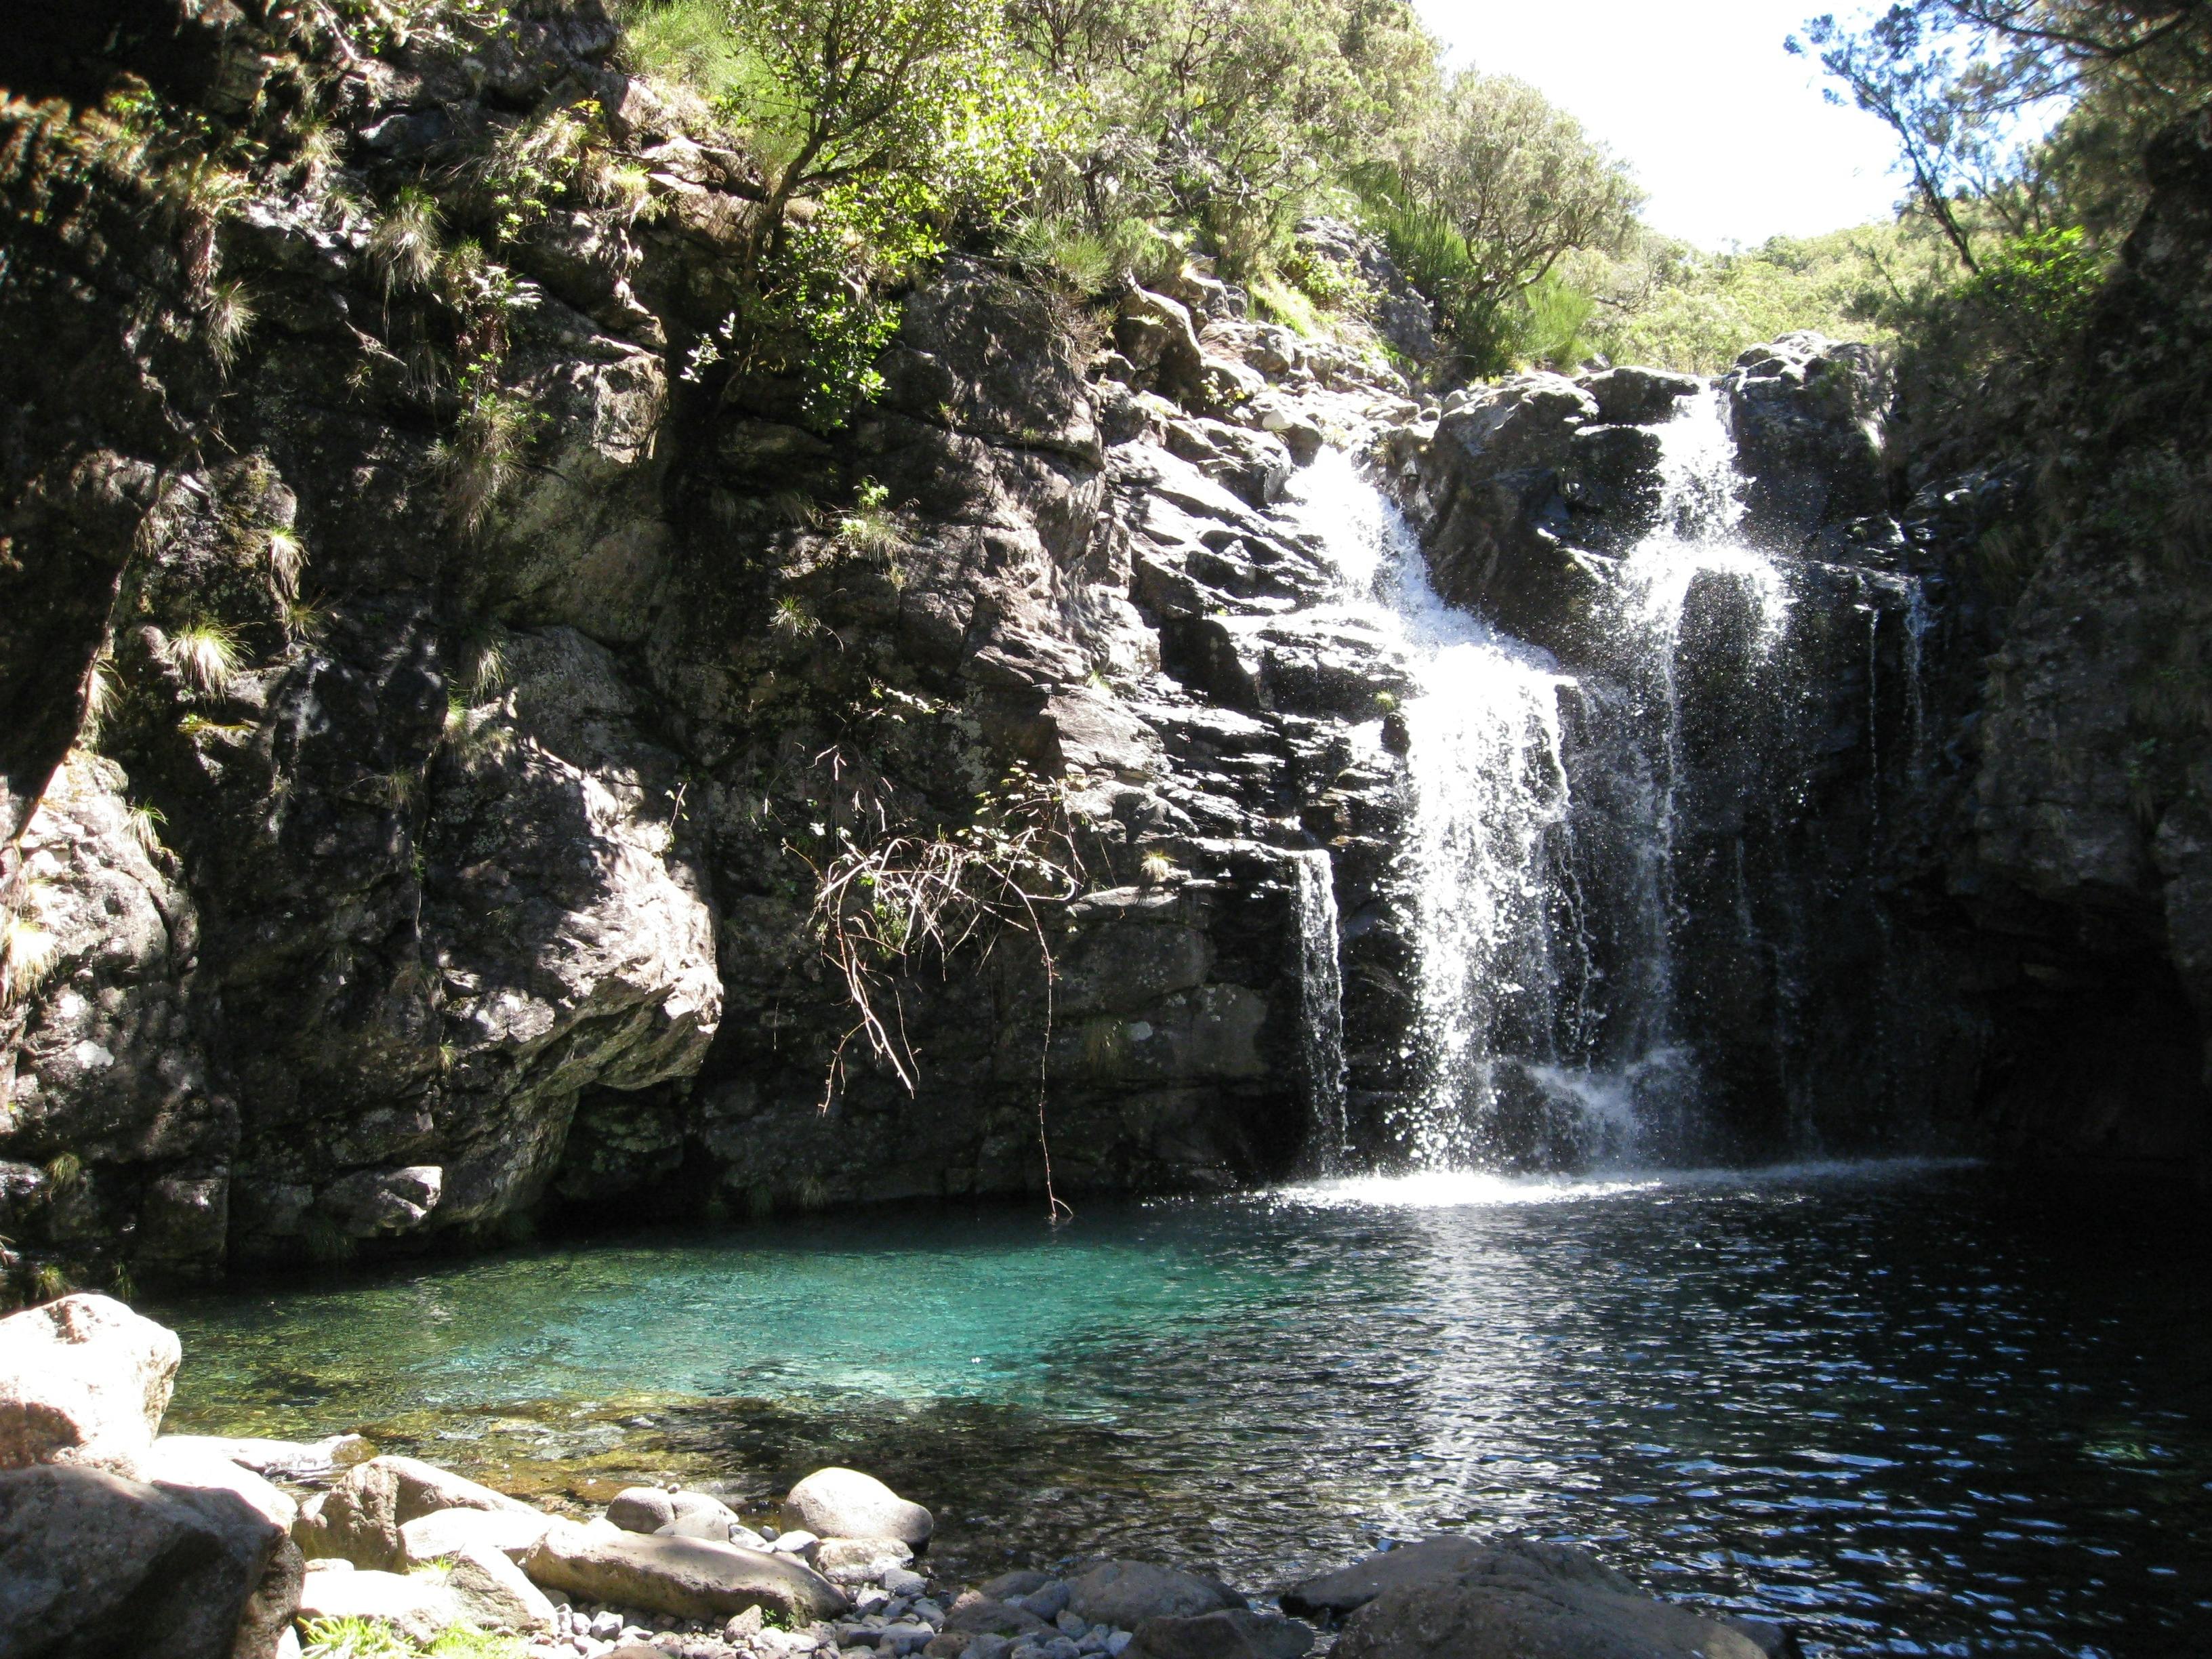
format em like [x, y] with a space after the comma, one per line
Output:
[1885, 1402]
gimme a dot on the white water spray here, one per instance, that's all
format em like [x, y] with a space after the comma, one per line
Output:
[1513, 1059]
[1321, 1006]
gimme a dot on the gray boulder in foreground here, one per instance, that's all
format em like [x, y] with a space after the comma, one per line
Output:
[359, 1519]
[1335, 1595]
[677, 1514]
[1515, 1599]
[83, 1381]
[836, 1503]
[689, 1578]
[1125, 1594]
[1228, 1633]
[93, 1564]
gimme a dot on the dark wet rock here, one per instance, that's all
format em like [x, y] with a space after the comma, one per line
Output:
[987, 1617]
[1629, 396]
[91, 1562]
[1497, 522]
[1233, 1633]
[1125, 1594]
[1008, 1585]
[1520, 1598]
[1335, 1595]
[1805, 413]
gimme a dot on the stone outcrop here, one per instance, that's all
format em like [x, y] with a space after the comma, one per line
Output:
[93, 1563]
[837, 1503]
[464, 825]
[687, 1577]
[1518, 1598]
[83, 1382]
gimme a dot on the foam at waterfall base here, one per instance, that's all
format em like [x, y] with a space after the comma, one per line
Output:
[1454, 1189]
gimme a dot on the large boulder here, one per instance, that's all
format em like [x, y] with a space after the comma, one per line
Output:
[444, 1533]
[83, 1381]
[677, 1514]
[1518, 1598]
[493, 1592]
[1333, 1594]
[1230, 1633]
[176, 1461]
[1125, 1594]
[360, 1519]
[1639, 397]
[836, 1503]
[689, 1578]
[92, 1564]
[1155, 334]
[1805, 413]
[1499, 526]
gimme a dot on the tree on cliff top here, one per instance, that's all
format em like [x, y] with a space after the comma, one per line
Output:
[903, 105]
[2022, 117]
[1487, 197]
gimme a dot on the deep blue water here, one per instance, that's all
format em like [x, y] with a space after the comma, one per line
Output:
[1890, 1403]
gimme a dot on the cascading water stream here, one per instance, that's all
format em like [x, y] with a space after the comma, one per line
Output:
[1321, 988]
[1489, 797]
[1541, 870]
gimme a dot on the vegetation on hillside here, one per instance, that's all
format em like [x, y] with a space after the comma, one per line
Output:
[2020, 127]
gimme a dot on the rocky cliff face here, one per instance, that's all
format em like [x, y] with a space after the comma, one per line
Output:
[470, 750]
[483, 679]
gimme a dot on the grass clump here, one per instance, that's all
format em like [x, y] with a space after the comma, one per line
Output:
[28, 954]
[205, 654]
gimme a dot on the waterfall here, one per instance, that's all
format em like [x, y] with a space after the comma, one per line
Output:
[1484, 860]
[1555, 818]
[1321, 1007]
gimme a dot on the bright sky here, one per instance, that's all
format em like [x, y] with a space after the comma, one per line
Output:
[1726, 133]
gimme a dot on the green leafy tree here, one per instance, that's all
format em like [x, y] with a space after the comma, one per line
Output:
[2016, 117]
[1232, 116]
[1486, 199]
[904, 109]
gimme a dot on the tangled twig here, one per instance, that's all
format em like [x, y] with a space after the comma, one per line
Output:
[882, 910]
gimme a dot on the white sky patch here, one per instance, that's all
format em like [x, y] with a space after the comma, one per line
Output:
[1726, 133]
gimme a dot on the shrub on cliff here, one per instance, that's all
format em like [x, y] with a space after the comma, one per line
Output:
[1483, 200]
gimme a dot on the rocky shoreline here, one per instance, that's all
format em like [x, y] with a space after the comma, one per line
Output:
[117, 1538]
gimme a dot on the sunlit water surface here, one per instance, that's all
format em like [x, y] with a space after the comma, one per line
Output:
[1884, 1402]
